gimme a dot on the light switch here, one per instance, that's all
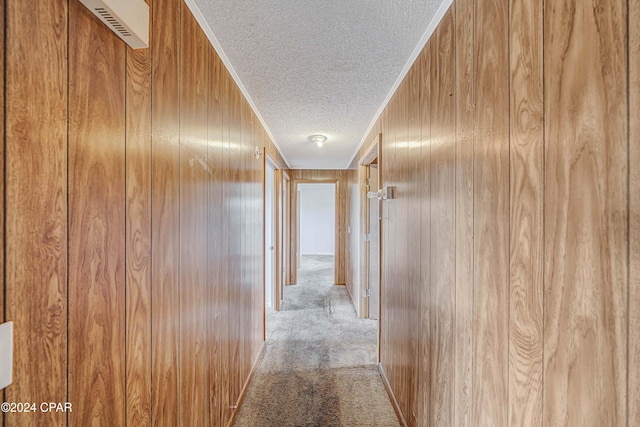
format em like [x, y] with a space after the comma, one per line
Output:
[6, 354]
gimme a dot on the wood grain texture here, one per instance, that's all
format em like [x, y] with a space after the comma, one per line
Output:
[2, 174]
[35, 243]
[96, 221]
[542, 213]
[235, 248]
[215, 244]
[464, 230]
[586, 193]
[526, 214]
[165, 166]
[443, 217]
[138, 237]
[225, 331]
[414, 260]
[383, 340]
[407, 377]
[258, 323]
[244, 301]
[388, 337]
[634, 214]
[400, 375]
[152, 218]
[491, 204]
[194, 172]
[425, 371]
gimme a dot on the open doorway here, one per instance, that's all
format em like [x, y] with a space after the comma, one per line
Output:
[284, 233]
[373, 243]
[371, 282]
[316, 225]
[270, 237]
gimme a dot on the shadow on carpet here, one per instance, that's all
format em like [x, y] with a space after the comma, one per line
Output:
[319, 365]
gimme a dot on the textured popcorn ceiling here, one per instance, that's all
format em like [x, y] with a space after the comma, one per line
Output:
[319, 66]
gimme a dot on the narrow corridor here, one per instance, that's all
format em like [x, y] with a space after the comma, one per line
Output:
[318, 366]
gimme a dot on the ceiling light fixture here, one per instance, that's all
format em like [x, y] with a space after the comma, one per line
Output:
[318, 139]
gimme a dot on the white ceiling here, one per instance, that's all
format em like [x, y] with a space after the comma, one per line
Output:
[318, 67]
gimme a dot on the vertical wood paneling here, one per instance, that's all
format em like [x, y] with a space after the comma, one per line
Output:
[424, 357]
[225, 291]
[165, 214]
[155, 215]
[2, 170]
[96, 221]
[526, 214]
[491, 204]
[258, 325]
[443, 190]
[243, 233]
[585, 326]
[215, 256]
[205, 329]
[465, 113]
[634, 213]
[404, 374]
[258, 312]
[36, 203]
[413, 217]
[392, 315]
[193, 216]
[235, 251]
[138, 237]
[537, 323]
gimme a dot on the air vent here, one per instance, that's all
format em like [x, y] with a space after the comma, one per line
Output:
[129, 19]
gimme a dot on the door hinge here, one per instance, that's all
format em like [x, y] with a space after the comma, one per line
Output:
[367, 237]
[367, 182]
[367, 293]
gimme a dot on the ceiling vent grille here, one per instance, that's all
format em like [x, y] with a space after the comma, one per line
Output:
[129, 19]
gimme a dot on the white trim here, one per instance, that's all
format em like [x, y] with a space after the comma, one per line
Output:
[216, 45]
[442, 10]
[315, 253]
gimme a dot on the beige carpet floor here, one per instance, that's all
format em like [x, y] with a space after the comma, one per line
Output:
[319, 366]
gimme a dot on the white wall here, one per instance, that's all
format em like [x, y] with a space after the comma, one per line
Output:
[317, 219]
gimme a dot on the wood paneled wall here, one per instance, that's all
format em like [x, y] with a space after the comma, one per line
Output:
[36, 206]
[134, 220]
[341, 177]
[510, 251]
[2, 150]
[634, 210]
[138, 234]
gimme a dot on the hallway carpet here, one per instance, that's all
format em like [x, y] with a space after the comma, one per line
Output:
[318, 367]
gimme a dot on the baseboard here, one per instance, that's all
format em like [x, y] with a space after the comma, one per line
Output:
[352, 301]
[312, 254]
[245, 387]
[392, 396]
[349, 292]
